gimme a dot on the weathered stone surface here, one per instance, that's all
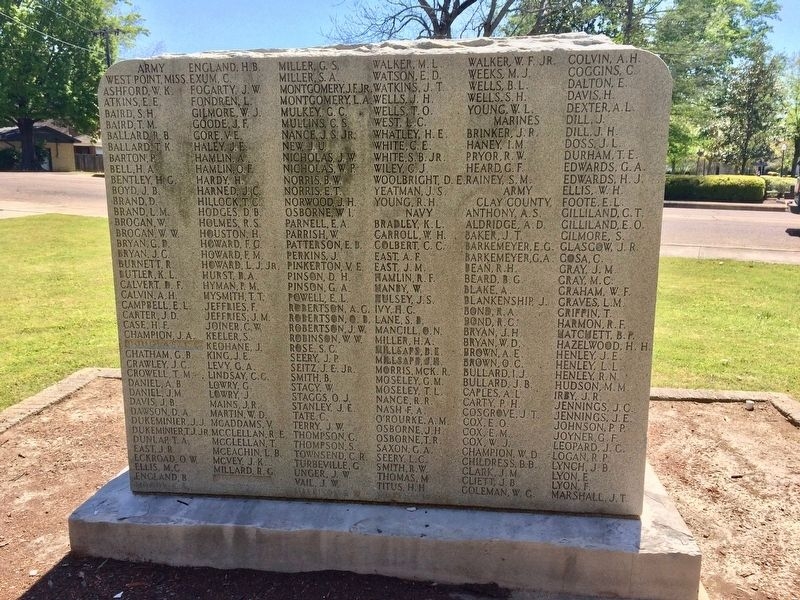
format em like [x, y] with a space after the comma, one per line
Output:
[411, 272]
[654, 557]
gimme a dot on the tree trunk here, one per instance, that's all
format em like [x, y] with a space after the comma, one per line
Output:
[626, 38]
[537, 26]
[28, 160]
[745, 150]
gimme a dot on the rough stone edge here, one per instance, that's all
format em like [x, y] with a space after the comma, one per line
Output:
[783, 403]
[52, 395]
[653, 558]
[572, 41]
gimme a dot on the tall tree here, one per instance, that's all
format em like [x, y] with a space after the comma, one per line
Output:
[749, 106]
[625, 21]
[791, 94]
[680, 142]
[53, 54]
[701, 40]
[377, 21]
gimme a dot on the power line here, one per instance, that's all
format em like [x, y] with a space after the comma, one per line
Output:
[107, 32]
[42, 33]
[75, 5]
[58, 14]
[104, 32]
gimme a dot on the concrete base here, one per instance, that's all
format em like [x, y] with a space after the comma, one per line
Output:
[652, 558]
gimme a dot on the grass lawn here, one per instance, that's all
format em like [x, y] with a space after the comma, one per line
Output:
[57, 299]
[719, 324]
[727, 325]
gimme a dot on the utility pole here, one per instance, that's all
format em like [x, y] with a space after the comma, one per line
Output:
[107, 32]
[783, 154]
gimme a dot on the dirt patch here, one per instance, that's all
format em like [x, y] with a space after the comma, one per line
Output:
[734, 474]
[735, 477]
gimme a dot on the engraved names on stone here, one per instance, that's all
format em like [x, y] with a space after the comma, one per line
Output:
[326, 316]
[407, 159]
[500, 244]
[152, 301]
[421, 276]
[597, 218]
[232, 271]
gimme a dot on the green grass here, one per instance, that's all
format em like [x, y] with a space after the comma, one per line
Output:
[728, 325]
[719, 324]
[57, 299]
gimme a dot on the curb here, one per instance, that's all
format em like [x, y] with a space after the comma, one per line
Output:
[783, 403]
[52, 395]
[772, 207]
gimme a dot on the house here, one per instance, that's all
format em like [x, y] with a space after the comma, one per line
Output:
[63, 151]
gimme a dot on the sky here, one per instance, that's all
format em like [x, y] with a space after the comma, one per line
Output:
[184, 26]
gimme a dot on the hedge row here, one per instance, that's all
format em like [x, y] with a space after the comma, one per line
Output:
[715, 188]
[780, 184]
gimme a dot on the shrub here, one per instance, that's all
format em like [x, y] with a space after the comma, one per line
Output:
[715, 188]
[779, 184]
[8, 159]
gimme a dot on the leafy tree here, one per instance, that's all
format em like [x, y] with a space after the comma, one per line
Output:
[700, 40]
[791, 120]
[703, 42]
[625, 21]
[681, 141]
[748, 107]
[53, 55]
[376, 21]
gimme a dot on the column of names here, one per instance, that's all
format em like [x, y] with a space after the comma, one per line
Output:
[156, 346]
[328, 317]
[233, 271]
[406, 159]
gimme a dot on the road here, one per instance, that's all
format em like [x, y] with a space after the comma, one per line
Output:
[736, 234]
[687, 232]
[24, 194]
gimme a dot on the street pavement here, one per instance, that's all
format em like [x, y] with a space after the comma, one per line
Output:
[24, 194]
[755, 234]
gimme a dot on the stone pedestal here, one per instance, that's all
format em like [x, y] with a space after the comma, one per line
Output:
[654, 557]
[417, 274]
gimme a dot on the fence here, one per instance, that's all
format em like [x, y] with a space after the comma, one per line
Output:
[89, 162]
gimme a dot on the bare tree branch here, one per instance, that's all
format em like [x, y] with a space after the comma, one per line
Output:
[422, 18]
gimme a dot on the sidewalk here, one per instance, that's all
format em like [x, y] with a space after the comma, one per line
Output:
[710, 251]
[770, 205]
[766, 255]
[10, 209]
[69, 193]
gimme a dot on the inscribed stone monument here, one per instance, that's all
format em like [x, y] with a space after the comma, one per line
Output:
[409, 272]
